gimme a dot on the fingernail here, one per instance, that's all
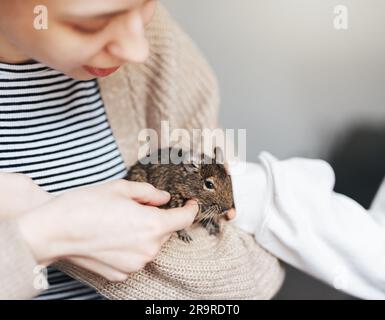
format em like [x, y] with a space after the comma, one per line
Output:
[165, 193]
[192, 202]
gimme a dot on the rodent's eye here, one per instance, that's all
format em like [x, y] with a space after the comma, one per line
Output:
[209, 184]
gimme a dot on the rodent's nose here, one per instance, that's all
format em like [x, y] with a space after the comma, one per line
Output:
[231, 214]
[225, 209]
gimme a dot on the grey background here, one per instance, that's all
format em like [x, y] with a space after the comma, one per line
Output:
[294, 82]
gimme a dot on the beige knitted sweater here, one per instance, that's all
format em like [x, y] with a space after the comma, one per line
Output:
[175, 84]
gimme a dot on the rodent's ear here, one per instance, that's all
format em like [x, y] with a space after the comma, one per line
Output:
[192, 163]
[192, 167]
[218, 155]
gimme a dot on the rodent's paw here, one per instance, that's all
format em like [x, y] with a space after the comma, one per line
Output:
[212, 228]
[184, 236]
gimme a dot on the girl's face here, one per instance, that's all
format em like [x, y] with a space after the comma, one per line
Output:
[85, 38]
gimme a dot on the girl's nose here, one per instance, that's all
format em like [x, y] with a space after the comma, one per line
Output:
[129, 43]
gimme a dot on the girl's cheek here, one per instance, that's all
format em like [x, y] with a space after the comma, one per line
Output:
[72, 51]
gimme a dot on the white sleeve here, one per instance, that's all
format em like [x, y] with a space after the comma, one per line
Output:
[292, 210]
[377, 209]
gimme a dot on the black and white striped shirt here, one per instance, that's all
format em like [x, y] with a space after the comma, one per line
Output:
[54, 129]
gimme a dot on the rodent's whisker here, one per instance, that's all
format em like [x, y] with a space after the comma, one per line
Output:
[202, 216]
[207, 214]
[210, 213]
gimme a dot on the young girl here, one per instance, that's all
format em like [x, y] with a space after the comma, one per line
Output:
[73, 99]
[54, 128]
[70, 132]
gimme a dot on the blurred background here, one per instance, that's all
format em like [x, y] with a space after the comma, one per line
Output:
[300, 88]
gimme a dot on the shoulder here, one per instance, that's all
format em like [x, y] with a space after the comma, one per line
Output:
[171, 46]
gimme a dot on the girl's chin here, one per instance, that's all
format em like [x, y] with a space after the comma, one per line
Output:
[80, 74]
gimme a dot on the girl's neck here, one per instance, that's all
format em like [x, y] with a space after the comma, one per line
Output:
[9, 53]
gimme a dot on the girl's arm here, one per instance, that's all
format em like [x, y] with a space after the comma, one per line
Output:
[292, 210]
[111, 229]
[18, 270]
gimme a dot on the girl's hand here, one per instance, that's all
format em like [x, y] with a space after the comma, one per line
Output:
[18, 194]
[112, 228]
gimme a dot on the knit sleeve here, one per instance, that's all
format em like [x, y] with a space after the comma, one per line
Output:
[184, 89]
[17, 264]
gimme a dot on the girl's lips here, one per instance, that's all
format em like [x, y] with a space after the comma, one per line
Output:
[100, 72]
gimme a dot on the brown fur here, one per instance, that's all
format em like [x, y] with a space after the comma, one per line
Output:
[185, 181]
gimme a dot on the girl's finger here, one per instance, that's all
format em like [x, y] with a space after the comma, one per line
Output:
[125, 263]
[165, 238]
[143, 192]
[179, 218]
[100, 268]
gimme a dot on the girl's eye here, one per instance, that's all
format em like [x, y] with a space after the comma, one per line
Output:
[209, 184]
[91, 27]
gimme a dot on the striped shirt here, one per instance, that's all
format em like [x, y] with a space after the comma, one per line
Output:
[54, 129]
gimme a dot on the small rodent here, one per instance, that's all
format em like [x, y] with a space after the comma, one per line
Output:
[206, 182]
